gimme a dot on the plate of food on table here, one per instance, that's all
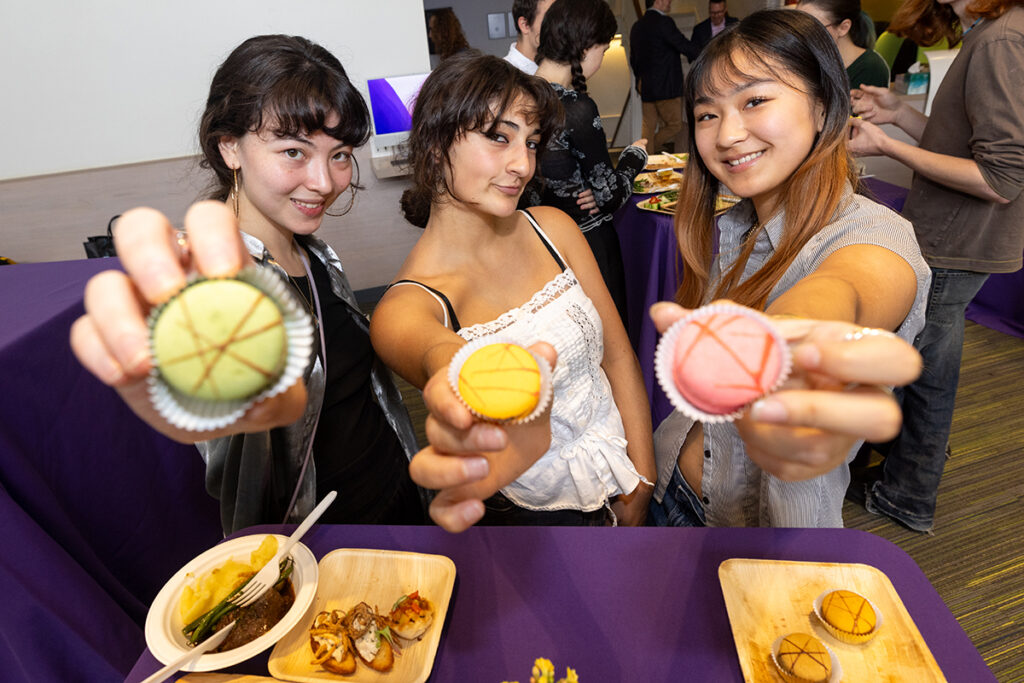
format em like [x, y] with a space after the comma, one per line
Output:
[657, 162]
[665, 202]
[377, 616]
[195, 602]
[657, 181]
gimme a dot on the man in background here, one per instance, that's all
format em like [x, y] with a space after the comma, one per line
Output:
[528, 15]
[655, 46]
[718, 19]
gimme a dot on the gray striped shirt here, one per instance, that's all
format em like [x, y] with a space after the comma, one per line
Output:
[735, 491]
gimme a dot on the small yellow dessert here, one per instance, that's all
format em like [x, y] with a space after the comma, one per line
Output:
[802, 658]
[220, 340]
[500, 382]
[848, 616]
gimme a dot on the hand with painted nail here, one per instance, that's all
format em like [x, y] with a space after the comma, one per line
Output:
[837, 394]
[112, 339]
[469, 460]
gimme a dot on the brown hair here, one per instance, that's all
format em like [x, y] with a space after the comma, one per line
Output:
[796, 49]
[446, 33]
[570, 28]
[468, 92]
[293, 82]
[926, 22]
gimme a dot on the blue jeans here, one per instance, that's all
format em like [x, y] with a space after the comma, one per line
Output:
[913, 465]
[680, 506]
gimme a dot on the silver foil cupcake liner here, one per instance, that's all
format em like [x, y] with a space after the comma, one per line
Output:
[199, 415]
[664, 356]
[543, 399]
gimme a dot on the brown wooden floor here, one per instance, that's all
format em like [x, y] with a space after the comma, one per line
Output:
[975, 559]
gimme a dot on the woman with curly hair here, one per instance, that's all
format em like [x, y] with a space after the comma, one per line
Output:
[577, 174]
[967, 209]
[445, 33]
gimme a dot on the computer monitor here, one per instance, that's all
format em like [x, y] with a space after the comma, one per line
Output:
[391, 101]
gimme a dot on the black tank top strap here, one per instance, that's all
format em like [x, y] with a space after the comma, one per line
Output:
[544, 238]
[442, 299]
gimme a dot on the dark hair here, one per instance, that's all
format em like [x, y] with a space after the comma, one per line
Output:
[648, 4]
[527, 9]
[926, 22]
[289, 81]
[840, 10]
[466, 93]
[447, 33]
[570, 28]
[795, 48]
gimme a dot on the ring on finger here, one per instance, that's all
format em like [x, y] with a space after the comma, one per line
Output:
[863, 332]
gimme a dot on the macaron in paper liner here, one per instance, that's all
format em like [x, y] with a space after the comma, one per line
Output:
[192, 413]
[839, 634]
[503, 391]
[717, 360]
[835, 675]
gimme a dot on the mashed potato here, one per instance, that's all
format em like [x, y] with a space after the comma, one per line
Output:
[202, 593]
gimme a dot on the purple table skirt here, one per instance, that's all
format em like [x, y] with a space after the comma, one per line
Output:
[628, 604]
[97, 510]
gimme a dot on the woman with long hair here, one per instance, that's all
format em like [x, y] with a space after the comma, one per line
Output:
[967, 209]
[445, 32]
[848, 26]
[768, 111]
[482, 268]
[573, 39]
[280, 126]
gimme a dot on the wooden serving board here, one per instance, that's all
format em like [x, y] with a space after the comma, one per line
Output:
[379, 578]
[770, 598]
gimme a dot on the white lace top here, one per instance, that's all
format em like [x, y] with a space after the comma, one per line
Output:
[587, 462]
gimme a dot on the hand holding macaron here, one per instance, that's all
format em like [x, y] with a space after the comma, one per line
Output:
[112, 339]
[469, 458]
[836, 394]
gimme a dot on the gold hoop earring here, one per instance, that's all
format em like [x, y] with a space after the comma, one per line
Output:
[351, 202]
[234, 191]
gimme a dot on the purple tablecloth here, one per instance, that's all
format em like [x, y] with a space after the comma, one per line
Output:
[629, 604]
[96, 509]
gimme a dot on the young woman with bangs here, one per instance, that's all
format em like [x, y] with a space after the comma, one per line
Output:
[768, 117]
[279, 130]
[967, 209]
[483, 268]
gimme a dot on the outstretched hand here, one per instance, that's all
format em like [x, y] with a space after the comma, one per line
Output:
[469, 460]
[836, 395]
[112, 339]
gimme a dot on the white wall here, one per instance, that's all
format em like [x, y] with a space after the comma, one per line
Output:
[105, 82]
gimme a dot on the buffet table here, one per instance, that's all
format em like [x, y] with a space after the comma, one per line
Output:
[628, 604]
[94, 505]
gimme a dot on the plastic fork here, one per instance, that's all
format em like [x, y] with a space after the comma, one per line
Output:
[271, 571]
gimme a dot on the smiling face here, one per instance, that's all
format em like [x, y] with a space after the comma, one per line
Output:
[755, 131]
[490, 168]
[286, 183]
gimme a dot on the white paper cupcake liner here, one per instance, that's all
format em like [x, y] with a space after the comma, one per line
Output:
[199, 415]
[545, 377]
[834, 677]
[663, 357]
[844, 636]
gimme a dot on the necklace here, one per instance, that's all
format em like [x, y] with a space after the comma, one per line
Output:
[308, 300]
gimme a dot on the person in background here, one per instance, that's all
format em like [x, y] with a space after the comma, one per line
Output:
[655, 46]
[769, 108]
[967, 208]
[528, 15]
[574, 38]
[718, 19]
[483, 269]
[280, 126]
[847, 25]
[445, 32]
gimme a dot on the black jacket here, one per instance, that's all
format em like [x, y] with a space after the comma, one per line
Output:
[655, 44]
[702, 32]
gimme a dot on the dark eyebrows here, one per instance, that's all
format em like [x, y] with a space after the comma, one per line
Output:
[745, 85]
